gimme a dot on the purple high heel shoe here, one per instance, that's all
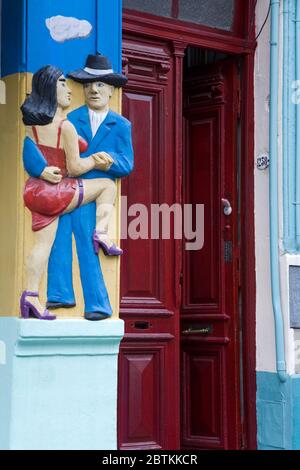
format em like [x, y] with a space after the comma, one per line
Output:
[29, 310]
[112, 250]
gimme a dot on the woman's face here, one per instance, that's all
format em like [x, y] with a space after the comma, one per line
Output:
[64, 93]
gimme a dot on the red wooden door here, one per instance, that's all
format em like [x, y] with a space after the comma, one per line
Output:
[149, 389]
[210, 366]
[153, 304]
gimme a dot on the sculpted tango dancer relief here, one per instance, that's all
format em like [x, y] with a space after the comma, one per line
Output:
[73, 163]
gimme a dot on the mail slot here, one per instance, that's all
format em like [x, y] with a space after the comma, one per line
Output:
[198, 330]
[142, 325]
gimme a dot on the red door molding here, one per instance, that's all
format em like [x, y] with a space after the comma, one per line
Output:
[242, 40]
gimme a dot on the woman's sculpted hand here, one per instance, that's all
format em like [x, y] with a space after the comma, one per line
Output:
[52, 174]
[103, 161]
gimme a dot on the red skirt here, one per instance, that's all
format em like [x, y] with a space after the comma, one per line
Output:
[47, 201]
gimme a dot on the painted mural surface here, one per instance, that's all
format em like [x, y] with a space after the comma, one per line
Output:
[93, 142]
[73, 158]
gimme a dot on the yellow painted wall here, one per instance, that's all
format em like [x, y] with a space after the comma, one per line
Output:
[11, 209]
[15, 232]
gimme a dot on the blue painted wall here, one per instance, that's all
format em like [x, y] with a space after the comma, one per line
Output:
[296, 411]
[8, 335]
[13, 31]
[289, 127]
[278, 412]
[109, 38]
[27, 44]
[274, 415]
[58, 389]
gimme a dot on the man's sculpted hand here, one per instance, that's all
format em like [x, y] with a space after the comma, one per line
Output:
[52, 174]
[103, 161]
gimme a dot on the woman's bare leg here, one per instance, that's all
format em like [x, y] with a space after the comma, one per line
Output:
[38, 259]
[103, 191]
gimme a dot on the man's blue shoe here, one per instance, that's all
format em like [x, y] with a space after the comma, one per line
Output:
[54, 305]
[94, 316]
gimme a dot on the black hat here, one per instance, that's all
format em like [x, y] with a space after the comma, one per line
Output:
[98, 69]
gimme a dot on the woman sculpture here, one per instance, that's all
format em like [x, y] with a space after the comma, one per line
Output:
[58, 190]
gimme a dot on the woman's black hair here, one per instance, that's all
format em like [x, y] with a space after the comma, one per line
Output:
[40, 106]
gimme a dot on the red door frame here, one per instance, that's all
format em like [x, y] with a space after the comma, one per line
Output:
[182, 35]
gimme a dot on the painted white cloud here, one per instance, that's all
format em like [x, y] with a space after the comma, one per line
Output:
[65, 28]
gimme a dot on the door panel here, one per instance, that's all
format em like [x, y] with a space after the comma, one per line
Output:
[209, 315]
[203, 366]
[201, 288]
[146, 102]
[140, 286]
[149, 354]
[143, 367]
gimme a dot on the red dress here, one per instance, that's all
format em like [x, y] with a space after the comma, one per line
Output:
[45, 200]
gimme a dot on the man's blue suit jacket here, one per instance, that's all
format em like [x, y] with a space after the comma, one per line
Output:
[113, 137]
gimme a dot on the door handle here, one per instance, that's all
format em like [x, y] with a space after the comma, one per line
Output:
[227, 209]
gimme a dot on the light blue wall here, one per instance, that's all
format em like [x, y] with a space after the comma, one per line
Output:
[289, 127]
[274, 430]
[278, 412]
[58, 389]
[8, 336]
[296, 411]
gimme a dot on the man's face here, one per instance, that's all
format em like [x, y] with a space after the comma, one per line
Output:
[97, 95]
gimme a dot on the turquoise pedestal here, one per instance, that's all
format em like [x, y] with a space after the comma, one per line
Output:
[58, 384]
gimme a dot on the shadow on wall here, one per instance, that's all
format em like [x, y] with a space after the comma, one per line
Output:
[2, 353]
[2, 92]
